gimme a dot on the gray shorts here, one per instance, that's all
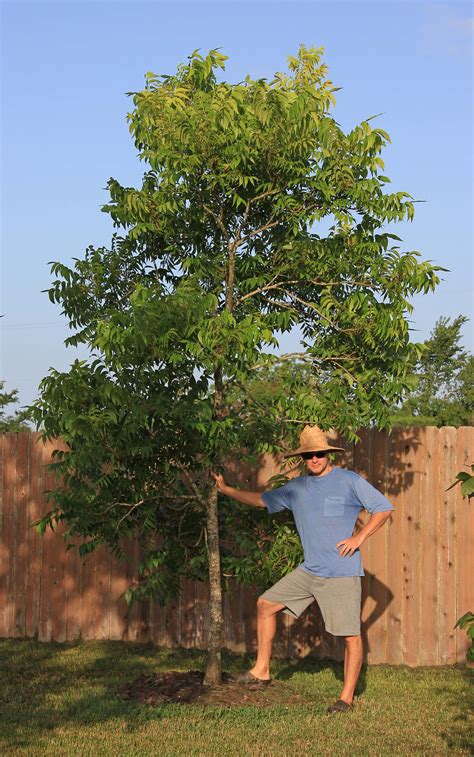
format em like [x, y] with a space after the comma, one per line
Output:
[338, 598]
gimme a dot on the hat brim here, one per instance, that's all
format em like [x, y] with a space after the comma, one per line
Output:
[303, 450]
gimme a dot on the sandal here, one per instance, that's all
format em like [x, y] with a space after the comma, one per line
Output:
[249, 678]
[339, 706]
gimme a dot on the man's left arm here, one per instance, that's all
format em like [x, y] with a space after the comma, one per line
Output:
[348, 546]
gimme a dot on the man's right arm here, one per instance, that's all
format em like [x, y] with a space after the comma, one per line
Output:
[247, 498]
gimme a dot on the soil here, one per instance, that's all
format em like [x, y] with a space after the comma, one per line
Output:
[176, 687]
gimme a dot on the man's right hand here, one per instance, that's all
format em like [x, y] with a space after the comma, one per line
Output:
[219, 479]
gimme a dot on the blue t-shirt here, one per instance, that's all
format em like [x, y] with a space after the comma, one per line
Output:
[325, 509]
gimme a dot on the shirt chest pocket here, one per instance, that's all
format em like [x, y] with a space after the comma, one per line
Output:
[333, 507]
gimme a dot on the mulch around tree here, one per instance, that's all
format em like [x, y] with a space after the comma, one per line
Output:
[176, 687]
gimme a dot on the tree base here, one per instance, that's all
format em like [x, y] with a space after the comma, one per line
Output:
[213, 675]
[186, 688]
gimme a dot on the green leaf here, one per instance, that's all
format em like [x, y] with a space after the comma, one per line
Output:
[467, 487]
[465, 620]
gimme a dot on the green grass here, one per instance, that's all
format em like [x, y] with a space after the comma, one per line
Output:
[61, 700]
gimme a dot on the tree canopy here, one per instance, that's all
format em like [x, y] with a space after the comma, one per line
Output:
[444, 372]
[257, 213]
[17, 421]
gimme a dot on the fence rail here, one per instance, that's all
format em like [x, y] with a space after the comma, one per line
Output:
[419, 567]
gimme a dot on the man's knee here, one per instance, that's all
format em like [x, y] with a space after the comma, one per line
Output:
[266, 608]
[353, 641]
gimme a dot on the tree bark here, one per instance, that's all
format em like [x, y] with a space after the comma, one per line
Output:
[213, 673]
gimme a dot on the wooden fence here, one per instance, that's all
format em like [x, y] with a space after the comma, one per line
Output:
[419, 567]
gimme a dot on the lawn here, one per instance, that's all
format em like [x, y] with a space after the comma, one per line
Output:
[62, 700]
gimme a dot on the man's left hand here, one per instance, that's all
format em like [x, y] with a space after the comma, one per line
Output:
[349, 546]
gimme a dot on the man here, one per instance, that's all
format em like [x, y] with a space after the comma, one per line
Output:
[325, 504]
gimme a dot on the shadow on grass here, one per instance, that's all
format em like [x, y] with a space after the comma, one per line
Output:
[314, 666]
[461, 735]
[51, 686]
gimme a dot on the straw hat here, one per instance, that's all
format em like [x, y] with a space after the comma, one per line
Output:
[312, 439]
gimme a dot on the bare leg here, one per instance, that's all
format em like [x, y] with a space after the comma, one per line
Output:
[352, 666]
[266, 627]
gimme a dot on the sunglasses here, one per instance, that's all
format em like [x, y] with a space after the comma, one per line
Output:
[310, 455]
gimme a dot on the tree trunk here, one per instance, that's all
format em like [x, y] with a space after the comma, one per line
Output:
[213, 669]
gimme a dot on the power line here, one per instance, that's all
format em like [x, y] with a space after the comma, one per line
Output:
[32, 325]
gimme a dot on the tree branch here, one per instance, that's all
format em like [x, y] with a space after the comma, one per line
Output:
[231, 247]
[130, 511]
[265, 227]
[250, 202]
[229, 294]
[336, 362]
[292, 355]
[280, 304]
[286, 356]
[192, 485]
[266, 289]
[262, 196]
[219, 220]
[316, 282]
[312, 306]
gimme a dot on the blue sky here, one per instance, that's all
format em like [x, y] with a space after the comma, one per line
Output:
[66, 67]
